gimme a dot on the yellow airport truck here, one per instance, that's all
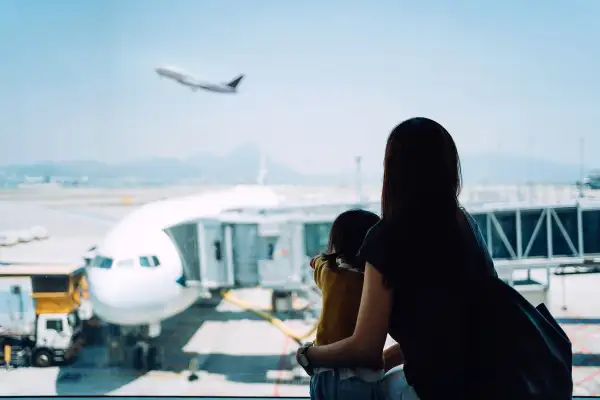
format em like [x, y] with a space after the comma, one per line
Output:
[42, 308]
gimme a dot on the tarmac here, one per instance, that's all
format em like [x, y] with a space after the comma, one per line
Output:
[236, 352]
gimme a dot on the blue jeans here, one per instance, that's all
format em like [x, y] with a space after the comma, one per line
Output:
[327, 385]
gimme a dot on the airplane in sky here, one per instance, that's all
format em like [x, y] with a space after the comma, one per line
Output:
[194, 84]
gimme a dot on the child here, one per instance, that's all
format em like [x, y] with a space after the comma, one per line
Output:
[339, 274]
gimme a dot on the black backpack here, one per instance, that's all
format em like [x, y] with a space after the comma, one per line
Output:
[526, 354]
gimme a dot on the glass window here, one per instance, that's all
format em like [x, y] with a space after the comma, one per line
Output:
[270, 251]
[54, 324]
[120, 156]
[73, 319]
[102, 262]
[145, 262]
[316, 237]
[50, 284]
[218, 253]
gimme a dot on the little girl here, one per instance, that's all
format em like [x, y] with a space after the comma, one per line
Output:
[339, 274]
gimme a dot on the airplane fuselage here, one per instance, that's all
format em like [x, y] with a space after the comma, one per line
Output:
[192, 83]
[136, 275]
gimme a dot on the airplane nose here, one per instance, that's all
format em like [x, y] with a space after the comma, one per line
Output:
[129, 297]
[114, 294]
[104, 295]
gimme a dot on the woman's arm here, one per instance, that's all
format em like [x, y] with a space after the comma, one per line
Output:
[392, 357]
[365, 347]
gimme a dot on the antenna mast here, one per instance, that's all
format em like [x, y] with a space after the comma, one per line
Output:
[262, 169]
[581, 165]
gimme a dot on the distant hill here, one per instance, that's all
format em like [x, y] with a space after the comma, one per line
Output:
[242, 165]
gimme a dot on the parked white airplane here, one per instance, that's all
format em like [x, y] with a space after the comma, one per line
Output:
[193, 83]
[137, 276]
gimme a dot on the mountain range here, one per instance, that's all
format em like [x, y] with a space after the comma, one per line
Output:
[242, 165]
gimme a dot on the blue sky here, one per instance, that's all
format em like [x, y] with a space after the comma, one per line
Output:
[324, 80]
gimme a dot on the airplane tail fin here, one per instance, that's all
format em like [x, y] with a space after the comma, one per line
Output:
[234, 83]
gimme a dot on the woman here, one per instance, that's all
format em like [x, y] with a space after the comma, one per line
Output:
[418, 259]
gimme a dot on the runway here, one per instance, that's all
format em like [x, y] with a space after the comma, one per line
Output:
[238, 353]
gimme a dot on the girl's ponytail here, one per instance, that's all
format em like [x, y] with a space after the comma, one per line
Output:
[331, 259]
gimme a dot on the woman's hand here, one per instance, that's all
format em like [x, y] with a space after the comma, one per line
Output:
[392, 357]
[309, 370]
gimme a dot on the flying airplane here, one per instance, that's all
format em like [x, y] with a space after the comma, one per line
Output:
[194, 84]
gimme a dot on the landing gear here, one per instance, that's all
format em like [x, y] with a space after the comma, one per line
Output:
[146, 356]
[135, 347]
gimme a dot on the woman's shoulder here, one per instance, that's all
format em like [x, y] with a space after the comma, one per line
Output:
[374, 247]
[377, 237]
[376, 231]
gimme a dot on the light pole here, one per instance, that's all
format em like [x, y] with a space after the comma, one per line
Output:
[359, 195]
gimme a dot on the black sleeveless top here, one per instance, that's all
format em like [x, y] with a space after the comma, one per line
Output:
[429, 314]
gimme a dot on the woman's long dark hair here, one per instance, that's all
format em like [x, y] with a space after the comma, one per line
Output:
[421, 167]
[419, 200]
[346, 237]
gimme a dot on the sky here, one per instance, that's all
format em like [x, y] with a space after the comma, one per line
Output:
[324, 81]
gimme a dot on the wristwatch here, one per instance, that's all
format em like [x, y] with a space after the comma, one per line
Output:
[303, 357]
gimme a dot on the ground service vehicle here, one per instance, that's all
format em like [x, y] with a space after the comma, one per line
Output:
[40, 317]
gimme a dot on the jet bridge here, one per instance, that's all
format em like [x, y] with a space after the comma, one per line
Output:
[242, 250]
[272, 248]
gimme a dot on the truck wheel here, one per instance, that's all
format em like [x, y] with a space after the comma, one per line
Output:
[42, 358]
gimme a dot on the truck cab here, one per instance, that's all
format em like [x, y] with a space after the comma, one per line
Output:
[57, 338]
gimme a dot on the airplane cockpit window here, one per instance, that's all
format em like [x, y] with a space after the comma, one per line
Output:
[149, 261]
[145, 262]
[102, 262]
